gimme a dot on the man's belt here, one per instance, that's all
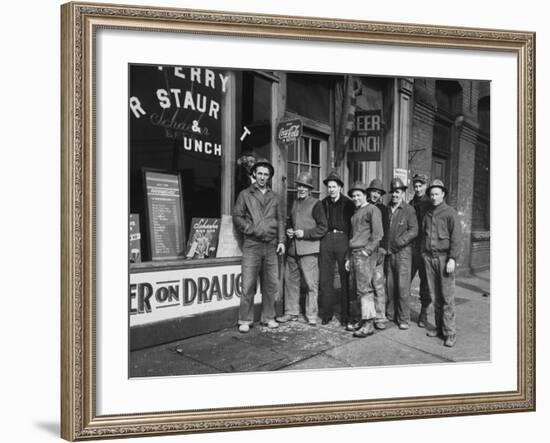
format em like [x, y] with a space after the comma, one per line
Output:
[336, 231]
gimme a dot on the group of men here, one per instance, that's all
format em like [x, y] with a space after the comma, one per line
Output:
[379, 247]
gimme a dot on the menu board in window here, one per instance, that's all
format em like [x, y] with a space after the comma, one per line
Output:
[165, 219]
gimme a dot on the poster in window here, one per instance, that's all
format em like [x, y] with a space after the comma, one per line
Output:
[203, 238]
[165, 219]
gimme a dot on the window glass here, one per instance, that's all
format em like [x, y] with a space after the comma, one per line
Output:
[175, 125]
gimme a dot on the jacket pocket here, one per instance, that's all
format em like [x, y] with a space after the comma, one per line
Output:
[442, 232]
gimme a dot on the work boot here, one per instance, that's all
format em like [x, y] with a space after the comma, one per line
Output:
[365, 330]
[434, 333]
[381, 324]
[423, 318]
[450, 340]
[286, 318]
[271, 324]
[353, 326]
[403, 326]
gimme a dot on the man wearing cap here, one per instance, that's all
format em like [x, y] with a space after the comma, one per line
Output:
[421, 203]
[257, 215]
[375, 191]
[308, 224]
[401, 230]
[441, 232]
[338, 209]
[367, 231]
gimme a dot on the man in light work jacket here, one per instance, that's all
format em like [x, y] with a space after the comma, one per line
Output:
[338, 209]
[308, 226]
[441, 233]
[402, 229]
[367, 231]
[421, 203]
[257, 215]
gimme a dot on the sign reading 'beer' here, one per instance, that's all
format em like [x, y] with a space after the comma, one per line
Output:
[366, 140]
[289, 131]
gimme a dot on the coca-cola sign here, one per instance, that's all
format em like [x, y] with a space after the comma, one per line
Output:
[289, 131]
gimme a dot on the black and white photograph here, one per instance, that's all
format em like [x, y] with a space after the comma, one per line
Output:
[288, 220]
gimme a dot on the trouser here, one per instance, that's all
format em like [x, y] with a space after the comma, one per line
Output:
[442, 290]
[259, 259]
[306, 267]
[418, 266]
[398, 282]
[379, 285]
[363, 271]
[333, 251]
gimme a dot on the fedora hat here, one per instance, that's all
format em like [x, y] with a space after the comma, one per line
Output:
[376, 184]
[335, 177]
[265, 163]
[305, 179]
[437, 184]
[357, 186]
[397, 183]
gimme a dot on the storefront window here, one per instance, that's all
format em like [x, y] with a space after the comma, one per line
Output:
[176, 127]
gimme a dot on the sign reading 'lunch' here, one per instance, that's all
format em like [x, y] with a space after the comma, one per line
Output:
[366, 140]
[181, 103]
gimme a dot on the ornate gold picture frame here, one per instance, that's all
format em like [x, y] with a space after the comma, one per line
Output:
[81, 22]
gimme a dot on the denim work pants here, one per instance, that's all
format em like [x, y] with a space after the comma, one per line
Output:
[333, 251]
[259, 258]
[379, 285]
[442, 291]
[398, 283]
[306, 267]
[363, 271]
[418, 266]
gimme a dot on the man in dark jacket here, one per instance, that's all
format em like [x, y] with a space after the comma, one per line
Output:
[401, 230]
[338, 209]
[375, 191]
[257, 215]
[441, 233]
[421, 203]
[308, 224]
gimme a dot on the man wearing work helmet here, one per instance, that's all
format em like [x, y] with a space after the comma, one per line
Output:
[421, 203]
[401, 230]
[375, 191]
[308, 224]
[441, 232]
[257, 215]
[367, 231]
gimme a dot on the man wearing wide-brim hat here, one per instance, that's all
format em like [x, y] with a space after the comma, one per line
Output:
[308, 224]
[339, 210]
[367, 231]
[441, 237]
[258, 216]
[421, 203]
[401, 231]
[375, 192]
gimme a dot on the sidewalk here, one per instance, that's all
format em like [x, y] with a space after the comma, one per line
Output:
[297, 345]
